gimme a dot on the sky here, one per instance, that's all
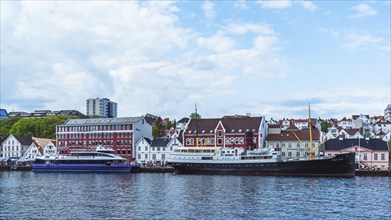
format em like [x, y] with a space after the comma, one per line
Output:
[267, 58]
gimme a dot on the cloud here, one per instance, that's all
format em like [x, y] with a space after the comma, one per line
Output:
[283, 4]
[209, 9]
[352, 40]
[241, 4]
[362, 10]
[308, 5]
[217, 43]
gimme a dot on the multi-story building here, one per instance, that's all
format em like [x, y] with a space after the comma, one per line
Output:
[229, 131]
[294, 143]
[15, 146]
[120, 134]
[370, 153]
[156, 151]
[101, 108]
[387, 113]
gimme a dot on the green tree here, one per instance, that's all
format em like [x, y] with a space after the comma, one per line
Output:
[27, 127]
[6, 125]
[195, 116]
[158, 129]
[324, 126]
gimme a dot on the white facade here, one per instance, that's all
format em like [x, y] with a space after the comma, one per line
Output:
[382, 127]
[31, 153]
[50, 149]
[13, 148]
[101, 107]
[155, 154]
[345, 123]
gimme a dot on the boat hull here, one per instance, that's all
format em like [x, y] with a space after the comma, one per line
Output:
[81, 168]
[340, 166]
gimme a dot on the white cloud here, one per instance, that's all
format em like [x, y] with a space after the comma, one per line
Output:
[351, 39]
[218, 43]
[275, 4]
[308, 5]
[362, 10]
[241, 4]
[240, 29]
[209, 9]
[283, 4]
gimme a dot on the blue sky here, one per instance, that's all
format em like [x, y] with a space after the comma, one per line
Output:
[230, 57]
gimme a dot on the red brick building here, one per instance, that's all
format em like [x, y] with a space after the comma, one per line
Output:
[120, 134]
[229, 131]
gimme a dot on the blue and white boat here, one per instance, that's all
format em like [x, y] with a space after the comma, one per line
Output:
[100, 160]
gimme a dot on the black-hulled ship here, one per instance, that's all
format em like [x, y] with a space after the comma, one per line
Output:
[254, 161]
[239, 161]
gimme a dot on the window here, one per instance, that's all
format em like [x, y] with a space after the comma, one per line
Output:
[146, 148]
[158, 148]
[153, 156]
[219, 133]
[139, 156]
[163, 156]
[283, 154]
[297, 154]
[139, 148]
[146, 156]
[220, 141]
[365, 156]
[289, 154]
[382, 156]
[375, 157]
[298, 145]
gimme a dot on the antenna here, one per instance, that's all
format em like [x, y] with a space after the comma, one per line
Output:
[196, 128]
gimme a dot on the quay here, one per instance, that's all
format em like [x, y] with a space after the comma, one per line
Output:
[165, 169]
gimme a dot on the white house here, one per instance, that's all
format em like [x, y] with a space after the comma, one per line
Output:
[29, 156]
[156, 151]
[345, 123]
[384, 126]
[15, 147]
[181, 124]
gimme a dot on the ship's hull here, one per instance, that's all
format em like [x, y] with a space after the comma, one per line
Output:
[340, 166]
[81, 168]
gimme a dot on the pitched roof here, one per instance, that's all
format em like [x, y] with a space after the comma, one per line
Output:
[102, 121]
[372, 144]
[24, 140]
[160, 142]
[231, 124]
[184, 120]
[352, 131]
[288, 135]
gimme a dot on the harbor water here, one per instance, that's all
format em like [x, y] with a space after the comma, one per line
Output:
[29, 195]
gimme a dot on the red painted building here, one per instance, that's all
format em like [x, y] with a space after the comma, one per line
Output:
[229, 131]
[120, 134]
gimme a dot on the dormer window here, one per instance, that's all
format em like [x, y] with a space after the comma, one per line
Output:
[233, 130]
[189, 131]
[203, 131]
[240, 130]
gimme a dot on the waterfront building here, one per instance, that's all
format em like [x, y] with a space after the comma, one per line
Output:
[229, 131]
[2, 139]
[120, 134]
[387, 113]
[15, 146]
[45, 113]
[370, 152]
[293, 147]
[46, 146]
[101, 108]
[156, 151]
[29, 156]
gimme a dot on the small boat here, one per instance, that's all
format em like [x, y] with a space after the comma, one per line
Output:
[99, 160]
[240, 161]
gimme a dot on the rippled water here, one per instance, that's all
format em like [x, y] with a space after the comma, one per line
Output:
[32, 195]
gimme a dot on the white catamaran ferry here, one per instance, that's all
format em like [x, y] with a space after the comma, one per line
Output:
[100, 160]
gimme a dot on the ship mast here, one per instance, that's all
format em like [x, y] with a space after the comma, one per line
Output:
[196, 116]
[310, 127]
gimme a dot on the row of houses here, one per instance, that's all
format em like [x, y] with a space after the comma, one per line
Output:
[131, 138]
